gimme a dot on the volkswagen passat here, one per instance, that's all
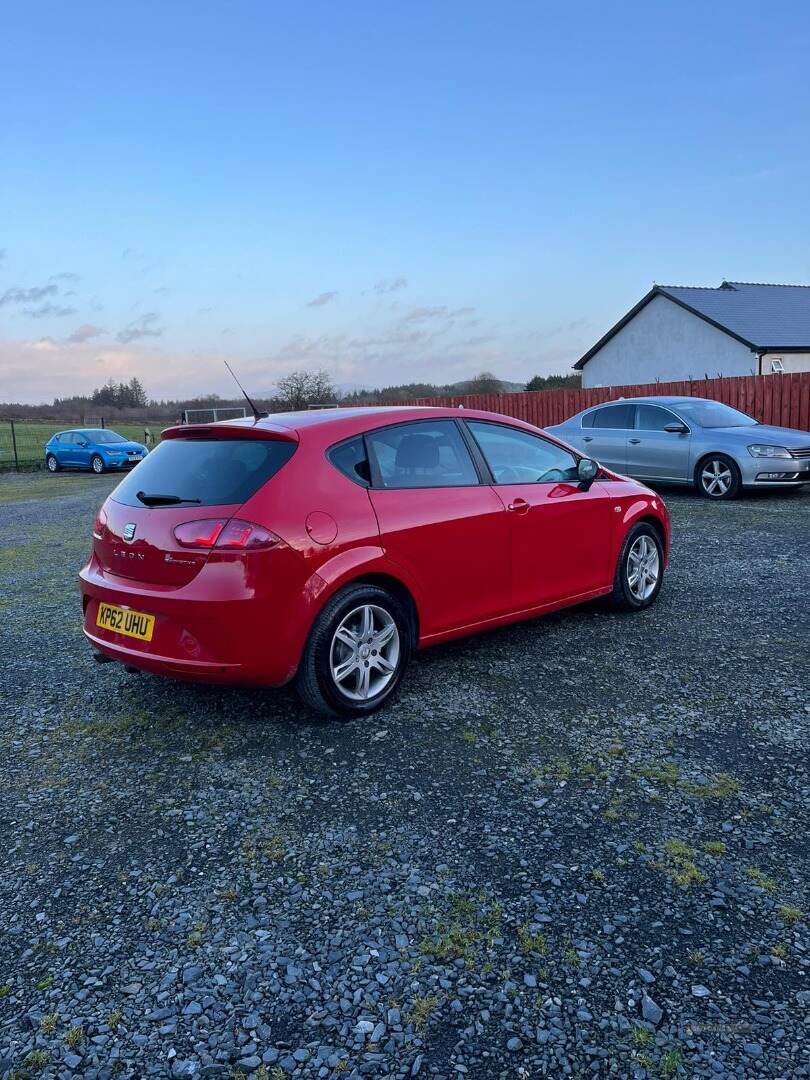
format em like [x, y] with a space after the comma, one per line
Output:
[326, 546]
[687, 440]
[98, 449]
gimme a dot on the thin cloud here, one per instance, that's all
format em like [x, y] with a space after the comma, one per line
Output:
[421, 314]
[144, 326]
[46, 311]
[389, 285]
[27, 296]
[84, 333]
[323, 298]
[66, 276]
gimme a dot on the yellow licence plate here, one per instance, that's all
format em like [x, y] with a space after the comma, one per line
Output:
[125, 621]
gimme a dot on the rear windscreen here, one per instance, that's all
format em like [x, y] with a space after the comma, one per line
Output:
[211, 472]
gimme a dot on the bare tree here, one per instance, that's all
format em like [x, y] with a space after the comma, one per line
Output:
[485, 383]
[302, 388]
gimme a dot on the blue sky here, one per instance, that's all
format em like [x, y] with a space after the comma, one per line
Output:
[459, 186]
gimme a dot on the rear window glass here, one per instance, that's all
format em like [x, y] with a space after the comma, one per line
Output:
[211, 472]
[350, 458]
[615, 416]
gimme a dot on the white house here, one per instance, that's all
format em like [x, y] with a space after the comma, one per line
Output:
[681, 332]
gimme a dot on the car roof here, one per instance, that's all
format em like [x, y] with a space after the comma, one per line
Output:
[662, 399]
[332, 425]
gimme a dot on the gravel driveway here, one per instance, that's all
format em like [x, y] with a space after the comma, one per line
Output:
[576, 847]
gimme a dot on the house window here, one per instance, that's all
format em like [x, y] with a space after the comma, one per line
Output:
[776, 364]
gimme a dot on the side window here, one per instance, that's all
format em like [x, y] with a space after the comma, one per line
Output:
[587, 419]
[429, 453]
[516, 457]
[653, 418]
[614, 416]
[70, 438]
[350, 458]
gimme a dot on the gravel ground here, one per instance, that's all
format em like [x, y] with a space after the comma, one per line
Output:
[576, 847]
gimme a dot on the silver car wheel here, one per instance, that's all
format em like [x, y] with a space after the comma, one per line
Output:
[643, 567]
[716, 478]
[364, 654]
[52, 463]
[97, 464]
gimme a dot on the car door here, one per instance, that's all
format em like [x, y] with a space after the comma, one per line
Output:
[58, 446]
[609, 429]
[440, 522]
[69, 449]
[654, 453]
[559, 533]
[82, 449]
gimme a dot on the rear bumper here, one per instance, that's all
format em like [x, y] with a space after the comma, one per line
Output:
[164, 665]
[204, 632]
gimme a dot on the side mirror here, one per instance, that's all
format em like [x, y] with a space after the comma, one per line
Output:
[676, 428]
[586, 471]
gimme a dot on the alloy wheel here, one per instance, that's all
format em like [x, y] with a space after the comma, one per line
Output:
[643, 567]
[716, 478]
[98, 465]
[52, 463]
[364, 653]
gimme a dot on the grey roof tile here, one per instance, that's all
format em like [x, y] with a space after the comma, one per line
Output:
[776, 316]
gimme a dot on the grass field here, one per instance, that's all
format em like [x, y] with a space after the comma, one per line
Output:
[19, 487]
[31, 438]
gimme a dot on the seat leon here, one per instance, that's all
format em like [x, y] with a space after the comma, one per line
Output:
[325, 547]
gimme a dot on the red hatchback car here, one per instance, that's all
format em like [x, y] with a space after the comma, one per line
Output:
[326, 546]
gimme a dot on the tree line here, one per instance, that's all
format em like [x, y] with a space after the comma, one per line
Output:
[298, 390]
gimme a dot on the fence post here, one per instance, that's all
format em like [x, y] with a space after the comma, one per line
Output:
[102, 421]
[14, 444]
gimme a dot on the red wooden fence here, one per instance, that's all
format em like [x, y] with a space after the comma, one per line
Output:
[772, 399]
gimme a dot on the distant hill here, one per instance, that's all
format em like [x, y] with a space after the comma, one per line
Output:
[407, 391]
[480, 385]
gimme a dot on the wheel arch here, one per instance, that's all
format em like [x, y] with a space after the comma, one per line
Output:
[707, 455]
[655, 523]
[398, 588]
[365, 565]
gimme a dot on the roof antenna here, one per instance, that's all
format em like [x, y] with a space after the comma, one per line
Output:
[256, 414]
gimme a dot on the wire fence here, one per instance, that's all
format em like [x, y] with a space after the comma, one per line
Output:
[22, 442]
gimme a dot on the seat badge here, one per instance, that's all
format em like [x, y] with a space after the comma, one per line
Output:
[129, 532]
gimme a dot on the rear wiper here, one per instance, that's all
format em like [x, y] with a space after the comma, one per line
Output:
[161, 500]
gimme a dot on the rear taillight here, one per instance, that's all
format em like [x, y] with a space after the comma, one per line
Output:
[100, 527]
[224, 534]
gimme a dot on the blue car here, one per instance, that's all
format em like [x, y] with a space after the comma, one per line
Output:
[98, 449]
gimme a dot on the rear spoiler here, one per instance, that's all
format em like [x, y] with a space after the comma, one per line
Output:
[230, 431]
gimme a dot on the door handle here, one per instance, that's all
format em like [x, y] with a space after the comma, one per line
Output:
[634, 441]
[587, 438]
[518, 506]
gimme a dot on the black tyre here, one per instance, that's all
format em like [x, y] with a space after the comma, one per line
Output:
[52, 464]
[356, 652]
[97, 464]
[639, 571]
[718, 477]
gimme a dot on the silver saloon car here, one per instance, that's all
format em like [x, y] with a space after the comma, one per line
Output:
[688, 440]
